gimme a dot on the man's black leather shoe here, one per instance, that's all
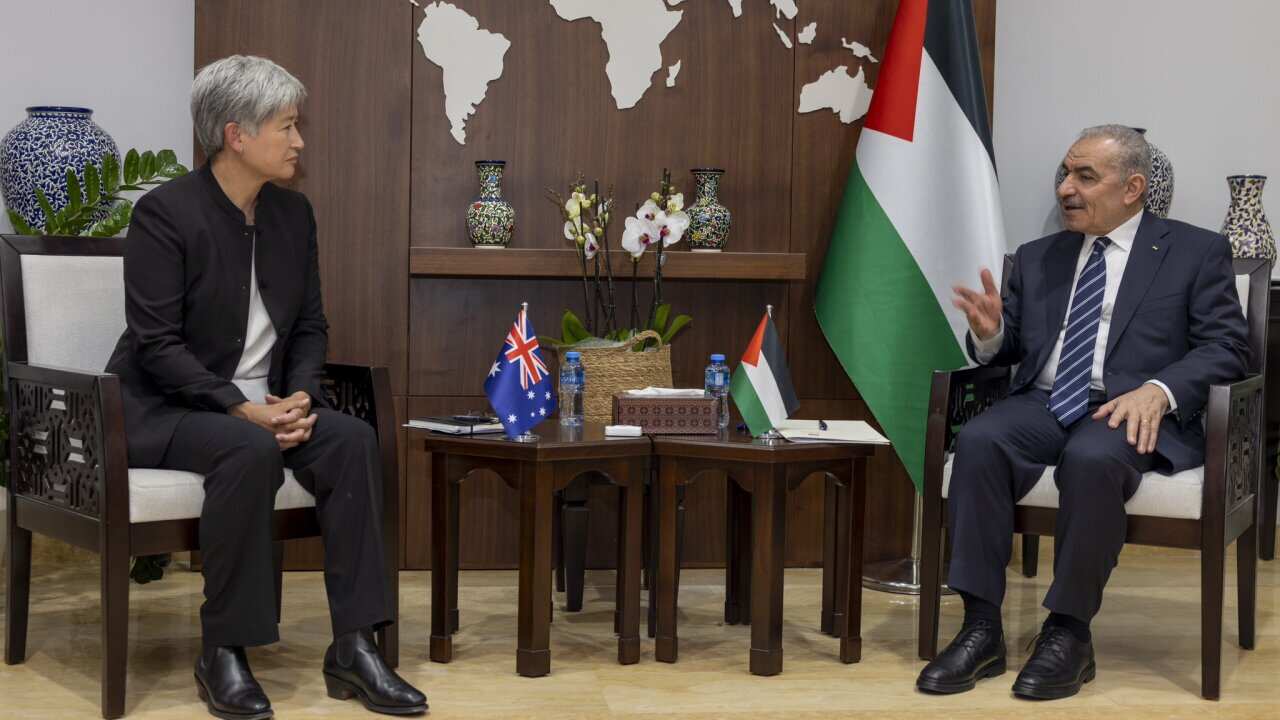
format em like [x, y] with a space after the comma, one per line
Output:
[977, 652]
[226, 685]
[353, 668]
[1058, 667]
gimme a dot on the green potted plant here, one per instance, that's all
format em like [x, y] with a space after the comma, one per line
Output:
[100, 189]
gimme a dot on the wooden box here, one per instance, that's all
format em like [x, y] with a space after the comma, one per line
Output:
[667, 415]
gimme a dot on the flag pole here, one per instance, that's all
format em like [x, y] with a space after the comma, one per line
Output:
[527, 437]
[902, 576]
[770, 436]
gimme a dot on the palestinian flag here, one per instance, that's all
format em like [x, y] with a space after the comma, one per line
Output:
[921, 213]
[761, 386]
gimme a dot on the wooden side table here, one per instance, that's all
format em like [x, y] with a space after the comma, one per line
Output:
[535, 470]
[760, 475]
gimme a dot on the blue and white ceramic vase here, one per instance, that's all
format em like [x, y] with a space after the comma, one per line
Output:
[709, 221]
[1246, 224]
[39, 150]
[1159, 185]
[491, 221]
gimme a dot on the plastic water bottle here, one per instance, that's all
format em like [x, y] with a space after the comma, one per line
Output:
[573, 380]
[716, 385]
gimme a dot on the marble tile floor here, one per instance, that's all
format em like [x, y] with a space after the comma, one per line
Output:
[1147, 642]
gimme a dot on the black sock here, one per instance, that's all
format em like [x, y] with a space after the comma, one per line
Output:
[976, 609]
[1075, 625]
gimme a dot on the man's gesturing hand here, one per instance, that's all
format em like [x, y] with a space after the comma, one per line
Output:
[981, 308]
[1142, 409]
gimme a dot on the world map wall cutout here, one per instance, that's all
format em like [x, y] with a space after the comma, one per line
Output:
[471, 57]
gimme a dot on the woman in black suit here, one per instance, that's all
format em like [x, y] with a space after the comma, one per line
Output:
[220, 367]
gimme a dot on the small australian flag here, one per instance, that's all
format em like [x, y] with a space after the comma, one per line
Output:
[519, 387]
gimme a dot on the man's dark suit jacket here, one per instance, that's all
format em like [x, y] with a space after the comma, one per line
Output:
[187, 273]
[1176, 319]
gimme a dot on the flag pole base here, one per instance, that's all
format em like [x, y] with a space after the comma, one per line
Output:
[900, 577]
[770, 437]
[525, 438]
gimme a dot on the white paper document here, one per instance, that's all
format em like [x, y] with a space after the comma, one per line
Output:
[838, 431]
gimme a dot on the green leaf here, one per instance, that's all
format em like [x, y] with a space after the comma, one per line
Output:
[676, 326]
[131, 162]
[173, 170]
[50, 217]
[547, 341]
[92, 185]
[114, 222]
[660, 317]
[75, 198]
[165, 158]
[74, 223]
[20, 225]
[147, 165]
[573, 329]
[131, 186]
[110, 173]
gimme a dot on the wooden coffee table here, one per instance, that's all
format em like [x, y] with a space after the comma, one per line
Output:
[760, 474]
[535, 470]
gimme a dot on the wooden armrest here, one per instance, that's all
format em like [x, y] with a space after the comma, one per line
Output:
[1234, 445]
[66, 435]
[955, 397]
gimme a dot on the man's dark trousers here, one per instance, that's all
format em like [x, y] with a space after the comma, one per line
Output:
[243, 468]
[1000, 455]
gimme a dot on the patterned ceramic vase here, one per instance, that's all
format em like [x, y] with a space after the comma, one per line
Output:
[1246, 225]
[1159, 185]
[38, 152]
[491, 221]
[709, 221]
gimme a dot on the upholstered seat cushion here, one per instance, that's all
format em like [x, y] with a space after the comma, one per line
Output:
[156, 495]
[1167, 496]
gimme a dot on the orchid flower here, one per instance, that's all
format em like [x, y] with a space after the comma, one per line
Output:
[638, 235]
[589, 245]
[671, 226]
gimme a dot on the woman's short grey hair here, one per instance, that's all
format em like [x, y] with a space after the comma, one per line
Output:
[242, 89]
[1133, 154]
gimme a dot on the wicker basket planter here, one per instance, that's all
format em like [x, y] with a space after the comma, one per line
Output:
[611, 370]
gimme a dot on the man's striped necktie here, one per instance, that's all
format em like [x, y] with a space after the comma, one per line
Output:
[1070, 396]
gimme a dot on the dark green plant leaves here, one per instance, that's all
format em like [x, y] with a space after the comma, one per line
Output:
[132, 160]
[20, 225]
[676, 326]
[573, 329]
[92, 186]
[99, 190]
[115, 221]
[110, 173]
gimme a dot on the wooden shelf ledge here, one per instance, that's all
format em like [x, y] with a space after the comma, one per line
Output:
[563, 263]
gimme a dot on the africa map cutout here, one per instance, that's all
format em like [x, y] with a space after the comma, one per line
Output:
[471, 57]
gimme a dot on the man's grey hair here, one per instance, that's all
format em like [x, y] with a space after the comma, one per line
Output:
[1133, 154]
[242, 89]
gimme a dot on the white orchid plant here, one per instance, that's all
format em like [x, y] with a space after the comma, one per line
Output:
[659, 223]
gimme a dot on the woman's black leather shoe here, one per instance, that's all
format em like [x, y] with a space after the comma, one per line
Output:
[353, 668]
[227, 687]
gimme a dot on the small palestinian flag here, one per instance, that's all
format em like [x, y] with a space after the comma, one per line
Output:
[761, 386]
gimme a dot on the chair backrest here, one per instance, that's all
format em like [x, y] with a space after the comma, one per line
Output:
[63, 299]
[1253, 283]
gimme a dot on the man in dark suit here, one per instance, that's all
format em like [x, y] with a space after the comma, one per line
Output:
[1118, 325]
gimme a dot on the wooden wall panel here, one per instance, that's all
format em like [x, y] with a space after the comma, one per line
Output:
[551, 114]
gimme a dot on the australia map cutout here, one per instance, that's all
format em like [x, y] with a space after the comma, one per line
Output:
[471, 57]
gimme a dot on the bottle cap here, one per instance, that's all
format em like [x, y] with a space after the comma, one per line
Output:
[717, 357]
[572, 355]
